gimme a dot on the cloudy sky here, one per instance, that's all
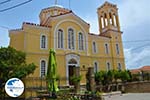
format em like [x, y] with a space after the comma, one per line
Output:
[134, 20]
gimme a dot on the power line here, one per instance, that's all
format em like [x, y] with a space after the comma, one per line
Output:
[4, 27]
[139, 47]
[99, 41]
[20, 4]
[3, 2]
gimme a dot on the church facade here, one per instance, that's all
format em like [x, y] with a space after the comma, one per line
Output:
[75, 46]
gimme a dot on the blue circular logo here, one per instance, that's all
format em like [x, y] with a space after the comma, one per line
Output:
[14, 87]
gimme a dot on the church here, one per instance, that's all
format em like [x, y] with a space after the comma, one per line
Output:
[69, 35]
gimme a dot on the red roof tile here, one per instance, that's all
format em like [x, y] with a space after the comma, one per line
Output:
[144, 68]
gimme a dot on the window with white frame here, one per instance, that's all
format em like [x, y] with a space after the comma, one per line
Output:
[71, 39]
[106, 49]
[117, 49]
[43, 68]
[108, 66]
[43, 41]
[119, 66]
[95, 67]
[81, 41]
[94, 47]
[60, 39]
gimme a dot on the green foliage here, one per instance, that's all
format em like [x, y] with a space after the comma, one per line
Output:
[125, 76]
[100, 77]
[12, 64]
[107, 77]
[75, 79]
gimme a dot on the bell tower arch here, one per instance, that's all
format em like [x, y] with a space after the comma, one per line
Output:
[108, 17]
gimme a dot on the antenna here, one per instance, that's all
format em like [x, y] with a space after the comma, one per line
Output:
[69, 4]
[55, 2]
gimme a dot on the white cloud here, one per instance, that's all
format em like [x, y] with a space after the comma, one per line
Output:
[134, 12]
[137, 59]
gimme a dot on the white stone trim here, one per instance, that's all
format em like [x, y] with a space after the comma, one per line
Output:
[74, 16]
[42, 59]
[108, 48]
[68, 57]
[117, 50]
[93, 47]
[66, 20]
[97, 65]
[56, 39]
[84, 41]
[71, 27]
[46, 44]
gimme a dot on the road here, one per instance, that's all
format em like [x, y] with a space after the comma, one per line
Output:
[130, 96]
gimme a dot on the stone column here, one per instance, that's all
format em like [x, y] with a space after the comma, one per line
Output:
[112, 19]
[108, 19]
[77, 75]
[117, 22]
[100, 24]
[104, 20]
[90, 79]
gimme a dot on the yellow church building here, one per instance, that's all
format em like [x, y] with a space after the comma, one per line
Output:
[69, 35]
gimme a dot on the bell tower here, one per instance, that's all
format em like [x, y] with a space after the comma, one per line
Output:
[108, 17]
[109, 26]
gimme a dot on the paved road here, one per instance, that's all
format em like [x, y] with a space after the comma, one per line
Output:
[130, 96]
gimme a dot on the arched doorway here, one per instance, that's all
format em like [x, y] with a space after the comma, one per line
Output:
[72, 61]
[71, 69]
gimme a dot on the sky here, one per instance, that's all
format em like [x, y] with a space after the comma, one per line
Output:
[133, 14]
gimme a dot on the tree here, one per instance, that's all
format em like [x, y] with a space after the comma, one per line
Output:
[99, 77]
[12, 64]
[125, 76]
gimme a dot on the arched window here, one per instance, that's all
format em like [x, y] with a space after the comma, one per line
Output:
[43, 68]
[106, 49]
[117, 49]
[94, 47]
[119, 67]
[95, 67]
[43, 42]
[71, 39]
[81, 41]
[60, 39]
[108, 66]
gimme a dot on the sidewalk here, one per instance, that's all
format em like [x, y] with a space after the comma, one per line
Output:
[130, 96]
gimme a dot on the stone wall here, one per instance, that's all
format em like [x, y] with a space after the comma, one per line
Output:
[138, 87]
